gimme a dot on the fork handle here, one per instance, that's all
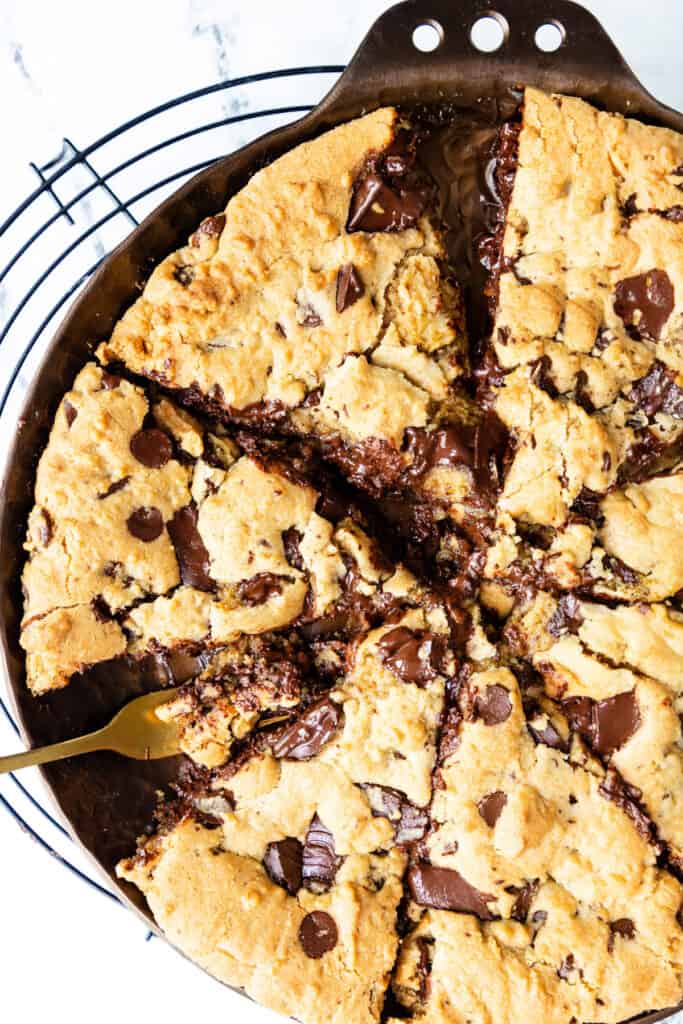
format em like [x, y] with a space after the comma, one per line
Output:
[53, 752]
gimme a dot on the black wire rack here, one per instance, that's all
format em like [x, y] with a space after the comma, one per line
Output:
[86, 201]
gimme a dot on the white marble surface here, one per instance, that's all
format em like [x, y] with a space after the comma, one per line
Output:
[77, 69]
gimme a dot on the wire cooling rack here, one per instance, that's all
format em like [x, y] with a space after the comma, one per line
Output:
[86, 201]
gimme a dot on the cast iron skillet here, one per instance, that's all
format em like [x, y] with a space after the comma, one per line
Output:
[107, 800]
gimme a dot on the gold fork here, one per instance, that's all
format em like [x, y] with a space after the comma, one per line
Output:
[136, 731]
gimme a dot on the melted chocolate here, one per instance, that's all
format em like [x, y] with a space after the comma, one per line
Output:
[350, 287]
[445, 889]
[259, 588]
[305, 737]
[318, 934]
[657, 392]
[146, 524]
[193, 558]
[628, 798]
[645, 303]
[415, 656]
[152, 447]
[283, 862]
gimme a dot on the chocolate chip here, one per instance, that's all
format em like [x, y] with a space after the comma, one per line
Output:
[283, 862]
[445, 889]
[151, 447]
[350, 287]
[541, 376]
[493, 706]
[415, 656]
[259, 588]
[184, 275]
[586, 505]
[567, 617]
[320, 862]
[306, 736]
[101, 609]
[145, 523]
[567, 967]
[491, 807]
[657, 392]
[674, 213]
[45, 527]
[110, 381]
[117, 485]
[606, 724]
[70, 412]
[377, 207]
[628, 798]
[309, 317]
[210, 227]
[410, 822]
[645, 302]
[318, 934]
[193, 558]
[624, 927]
[620, 569]
[526, 895]
[291, 539]
[549, 737]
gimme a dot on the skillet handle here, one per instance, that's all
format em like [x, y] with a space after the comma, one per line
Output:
[388, 68]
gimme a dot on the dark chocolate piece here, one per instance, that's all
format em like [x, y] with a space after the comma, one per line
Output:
[493, 705]
[151, 447]
[491, 807]
[445, 889]
[306, 736]
[193, 558]
[624, 927]
[210, 227]
[70, 412]
[283, 862]
[291, 539]
[645, 303]
[606, 724]
[117, 485]
[318, 934]
[657, 392]
[45, 528]
[259, 588]
[320, 862]
[145, 523]
[410, 822]
[110, 381]
[377, 207]
[415, 656]
[526, 895]
[350, 287]
[628, 798]
[567, 616]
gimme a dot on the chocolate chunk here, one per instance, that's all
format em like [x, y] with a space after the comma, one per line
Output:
[146, 524]
[445, 889]
[283, 862]
[567, 616]
[193, 558]
[309, 317]
[377, 207]
[657, 392]
[620, 569]
[450, 734]
[526, 895]
[674, 213]
[541, 376]
[491, 807]
[624, 927]
[306, 736]
[582, 396]
[645, 303]
[350, 287]
[70, 412]
[628, 798]
[447, 446]
[210, 227]
[118, 485]
[320, 862]
[586, 505]
[549, 737]
[110, 381]
[410, 822]
[101, 609]
[491, 452]
[259, 588]
[318, 934]
[415, 656]
[151, 447]
[606, 724]
[291, 539]
[184, 275]
[45, 527]
[493, 706]
[567, 967]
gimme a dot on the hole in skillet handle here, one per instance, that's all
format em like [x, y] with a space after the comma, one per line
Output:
[550, 36]
[428, 36]
[489, 32]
